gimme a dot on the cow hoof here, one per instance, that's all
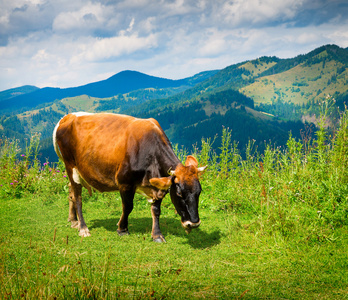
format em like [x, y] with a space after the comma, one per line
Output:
[159, 239]
[122, 232]
[84, 232]
[74, 224]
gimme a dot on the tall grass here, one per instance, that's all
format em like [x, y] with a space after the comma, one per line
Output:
[272, 228]
[21, 171]
[301, 186]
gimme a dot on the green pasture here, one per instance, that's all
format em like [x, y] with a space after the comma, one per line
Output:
[274, 226]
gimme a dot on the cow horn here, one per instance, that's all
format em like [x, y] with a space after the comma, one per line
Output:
[201, 169]
[171, 172]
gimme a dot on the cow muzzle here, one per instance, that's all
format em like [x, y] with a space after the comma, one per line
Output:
[188, 225]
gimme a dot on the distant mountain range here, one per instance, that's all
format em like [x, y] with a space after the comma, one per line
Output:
[123, 82]
[261, 100]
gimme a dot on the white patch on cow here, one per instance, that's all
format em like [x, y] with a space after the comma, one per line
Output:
[84, 232]
[76, 176]
[82, 113]
[187, 224]
[55, 145]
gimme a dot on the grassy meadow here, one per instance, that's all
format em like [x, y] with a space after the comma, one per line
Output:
[315, 82]
[274, 226]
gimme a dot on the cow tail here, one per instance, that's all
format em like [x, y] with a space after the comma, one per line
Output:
[55, 144]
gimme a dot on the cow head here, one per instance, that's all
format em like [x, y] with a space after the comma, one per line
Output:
[184, 191]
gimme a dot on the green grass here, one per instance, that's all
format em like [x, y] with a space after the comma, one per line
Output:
[274, 226]
[229, 255]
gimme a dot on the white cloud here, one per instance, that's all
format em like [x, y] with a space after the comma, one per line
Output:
[106, 48]
[248, 13]
[84, 20]
[339, 36]
[214, 44]
[306, 38]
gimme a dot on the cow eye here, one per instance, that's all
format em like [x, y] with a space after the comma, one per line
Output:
[178, 191]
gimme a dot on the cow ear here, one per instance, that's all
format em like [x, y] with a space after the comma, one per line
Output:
[191, 161]
[162, 183]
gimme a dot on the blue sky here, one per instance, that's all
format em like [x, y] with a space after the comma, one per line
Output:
[73, 42]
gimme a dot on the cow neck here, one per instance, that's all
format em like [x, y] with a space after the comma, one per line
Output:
[168, 160]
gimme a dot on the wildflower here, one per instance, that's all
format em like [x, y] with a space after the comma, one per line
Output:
[23, 155]
[11, 183]
[64, 176]
[57, 171]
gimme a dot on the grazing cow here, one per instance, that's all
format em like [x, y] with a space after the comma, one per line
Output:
[110, 152]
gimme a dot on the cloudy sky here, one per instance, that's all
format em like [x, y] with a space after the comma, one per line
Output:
[73, 42]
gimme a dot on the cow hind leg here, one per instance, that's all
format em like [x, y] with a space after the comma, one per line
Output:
[127, 196]
[72, 209]
[156, 234]
[77, 205]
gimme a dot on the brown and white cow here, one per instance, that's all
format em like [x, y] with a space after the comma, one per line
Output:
[110, 152]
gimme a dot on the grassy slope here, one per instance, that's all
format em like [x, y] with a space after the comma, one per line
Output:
[79, 103]
[256, 67]
[299, 84]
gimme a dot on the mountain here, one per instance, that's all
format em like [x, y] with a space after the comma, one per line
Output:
[120, 83]
[284, 92]
[305, 78]
[11, 93]
[298, 80]
[258, 100]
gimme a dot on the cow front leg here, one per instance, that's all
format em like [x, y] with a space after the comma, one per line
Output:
[72, 209]
[156, 234]
[77, 204]
[127, 196]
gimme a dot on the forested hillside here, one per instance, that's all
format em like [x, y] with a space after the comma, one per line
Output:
[258, 100]
[15, 92]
